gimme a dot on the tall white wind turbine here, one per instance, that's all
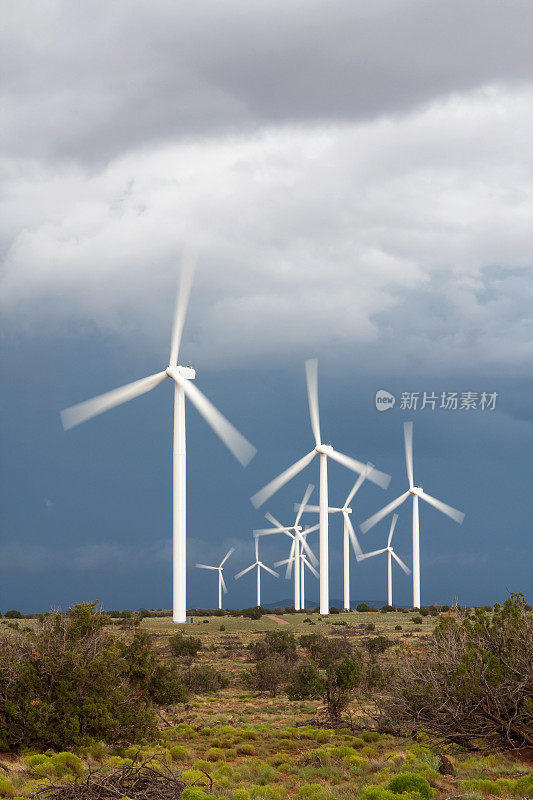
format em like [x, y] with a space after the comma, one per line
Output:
[390, 555]
[348, 532]
[221, 583]
[416, 493]
[324, 452]
[300, 560]
[259, 565]
[183, 386]
[298, 543]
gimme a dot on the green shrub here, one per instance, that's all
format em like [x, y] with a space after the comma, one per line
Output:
[203, 679]
[417, 620]
[6, 787]
[67, 683]
[313, 791]
[215, 754]
[280, 643]
[178, 753]
[246, 749]
[306, 682]
[67, 763]
[268, 675]
[159, 681]
[194, 793]
[241, 794]
[380, 793]
[524, 786]
[370, 736]
[411, 783]
[186, 647]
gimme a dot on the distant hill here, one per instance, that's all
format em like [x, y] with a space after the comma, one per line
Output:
[334, 602]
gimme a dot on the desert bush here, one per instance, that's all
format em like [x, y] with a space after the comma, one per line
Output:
[185, 647]
[473, 684]
[13, 614]
[364, 607]
[325, 651]
[159, 681]
[67, 683]
[268, 675]
[378, 644]
[417, 620]
[6, 787]
[410, 782]
[341, 682]
[305, 682]
[279, 643]
[204, 678]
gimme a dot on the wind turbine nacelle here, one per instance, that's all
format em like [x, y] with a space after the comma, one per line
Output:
[324, 449]
[186, 372]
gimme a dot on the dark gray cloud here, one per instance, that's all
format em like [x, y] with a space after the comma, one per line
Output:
[87, 81]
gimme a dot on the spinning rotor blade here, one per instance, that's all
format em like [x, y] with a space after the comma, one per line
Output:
[458, 516]
[353, 538]
[204, 566]
[375, 518]
[311, 373]
[234, 441]
[305, 498]
[373, 553]
[97, 405]
[357, 485]
[408, 439]
[264, 566]
[400, 562]
[268, 531]
[188, 264]
[256, 549]
[230, 551]
[392, 526]
[308, 550]
[243, 572]
[274, 521]
[310, 566]
[374, 475]
[312, 529]
[267, 491]
[223, 582]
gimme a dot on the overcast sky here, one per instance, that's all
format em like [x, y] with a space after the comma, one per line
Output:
[358, 180]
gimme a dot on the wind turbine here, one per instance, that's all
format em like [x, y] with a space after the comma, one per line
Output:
[183, 386]
[416, 493]
[299, 559]
[294, 532]
[324, 452]
[390, 555]
[260, 566]
[348, 534]
[221, 583]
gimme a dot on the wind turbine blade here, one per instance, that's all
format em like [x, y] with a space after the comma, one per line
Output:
[204, 566]
[310, 566]
[267, 491]
[374, 475]
[351, 533]
[268, 531]
[311, 372]
[308, 550]
[281, 563]
[408, 439]
[230, 551]
[223, 582]
[373, 553]
[188, 264]
[458, 516]
[305, 498]
[274, 521]
[375, 518]
[103, 402]
[392, 526]
[400, 562]
[312, 529]
[357, 485]
[290, 560]
[256, 549]
[234, 441]
[307, 509]
[264, 566]
[243, 572]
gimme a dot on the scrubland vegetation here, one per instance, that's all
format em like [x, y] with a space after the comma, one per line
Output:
[391, 705]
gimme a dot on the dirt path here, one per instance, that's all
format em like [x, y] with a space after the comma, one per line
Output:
[276, 619]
